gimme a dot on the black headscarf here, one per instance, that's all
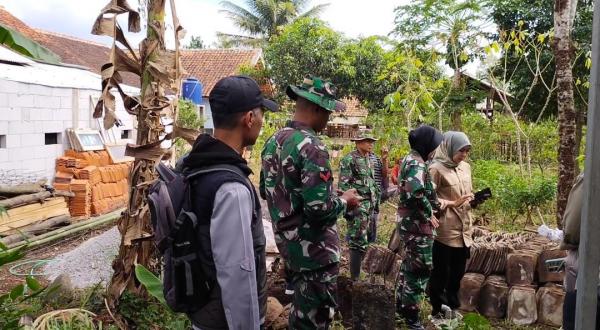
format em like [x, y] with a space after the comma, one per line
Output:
[424, 140]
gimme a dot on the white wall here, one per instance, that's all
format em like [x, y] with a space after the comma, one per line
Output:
[28, 111]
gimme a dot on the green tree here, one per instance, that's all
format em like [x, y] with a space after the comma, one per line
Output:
[568, 73]
[453, 27]
[306, 47]
[262, 20]
[196, 42]
[360, 71]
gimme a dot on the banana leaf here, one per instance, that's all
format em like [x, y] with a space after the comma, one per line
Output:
[23, 45]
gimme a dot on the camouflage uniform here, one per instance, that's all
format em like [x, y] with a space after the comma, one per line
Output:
[356, 171]
[418, 200]
[297, 180]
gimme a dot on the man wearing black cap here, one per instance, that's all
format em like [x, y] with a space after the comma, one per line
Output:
[233, 257]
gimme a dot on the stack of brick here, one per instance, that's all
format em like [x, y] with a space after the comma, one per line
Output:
[106, 188]
[80, 206]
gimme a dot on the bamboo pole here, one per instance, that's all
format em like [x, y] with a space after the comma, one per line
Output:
[71, 229]
[27, 232]
[41, 241]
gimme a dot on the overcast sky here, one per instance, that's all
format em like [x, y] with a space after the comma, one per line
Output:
[199, 17]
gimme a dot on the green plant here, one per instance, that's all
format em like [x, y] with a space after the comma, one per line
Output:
[187, 118]
[21, 299]
[152, 283]
[150, 314]
[473, 321]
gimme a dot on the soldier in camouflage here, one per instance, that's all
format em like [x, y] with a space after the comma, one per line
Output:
[356, 171]
[416, 222]
[297, 181]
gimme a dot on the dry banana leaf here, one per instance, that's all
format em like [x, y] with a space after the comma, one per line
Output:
[187, 134]
[120, 7]
[123, 62]
[151, 151]
[107, 26]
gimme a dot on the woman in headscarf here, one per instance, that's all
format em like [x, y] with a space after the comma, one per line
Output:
[452, 178]
[416, 222]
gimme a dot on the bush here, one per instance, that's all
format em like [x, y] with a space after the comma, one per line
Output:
[514, 196]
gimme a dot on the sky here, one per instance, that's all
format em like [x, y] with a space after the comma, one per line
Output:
[199, 17]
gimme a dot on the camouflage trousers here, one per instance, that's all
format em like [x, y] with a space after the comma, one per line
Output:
[415, 269]
[358, 224]
[315, 296]
[281, 243]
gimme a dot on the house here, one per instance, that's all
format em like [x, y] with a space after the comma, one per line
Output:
[493, 95]
[38, 102]
[347, 125]
[211, 65]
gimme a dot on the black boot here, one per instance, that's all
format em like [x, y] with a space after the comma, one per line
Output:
[355, 261]
[411, 317]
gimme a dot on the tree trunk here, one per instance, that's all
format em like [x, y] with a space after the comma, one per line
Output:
[134, 225]
[579, 136]
[563, 21]
[456, 116]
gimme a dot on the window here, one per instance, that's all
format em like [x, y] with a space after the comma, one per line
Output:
[201, 112]
[126, 134]
[2, 141]
[52, 138]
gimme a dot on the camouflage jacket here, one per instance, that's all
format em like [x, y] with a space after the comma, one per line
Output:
[356, 172]
[418, 199]
[297, 182]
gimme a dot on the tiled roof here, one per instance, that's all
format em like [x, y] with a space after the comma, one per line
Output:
[207, 65]
[8, 20]
[81, 52]
[210, 65]
[70, 49]
[353, 108]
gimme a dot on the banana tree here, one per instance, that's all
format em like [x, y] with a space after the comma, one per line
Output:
[159, 70]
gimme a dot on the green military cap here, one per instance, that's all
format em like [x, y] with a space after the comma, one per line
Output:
[317, 91]
[364, 136]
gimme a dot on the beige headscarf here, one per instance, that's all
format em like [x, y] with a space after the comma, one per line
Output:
[453, 142]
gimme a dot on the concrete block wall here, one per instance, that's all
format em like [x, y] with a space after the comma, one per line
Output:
[28, 111]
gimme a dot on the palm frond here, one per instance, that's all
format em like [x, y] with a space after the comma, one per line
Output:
[242, 18]
[228, 40]
[315, 11]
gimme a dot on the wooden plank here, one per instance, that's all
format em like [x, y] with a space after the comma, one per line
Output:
[36, 206]
[50, 213]
[36, 214]
[589, 253]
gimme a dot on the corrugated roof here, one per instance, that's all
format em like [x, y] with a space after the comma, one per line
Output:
[210, 65]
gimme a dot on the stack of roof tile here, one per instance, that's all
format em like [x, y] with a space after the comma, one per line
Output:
[99, 186]
[80, 205]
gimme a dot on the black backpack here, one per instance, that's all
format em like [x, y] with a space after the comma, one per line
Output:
[186, 286]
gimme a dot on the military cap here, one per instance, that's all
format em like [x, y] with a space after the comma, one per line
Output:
[365, 135]
[317, 91]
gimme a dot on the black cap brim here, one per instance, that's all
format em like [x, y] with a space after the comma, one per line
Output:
[270, 105]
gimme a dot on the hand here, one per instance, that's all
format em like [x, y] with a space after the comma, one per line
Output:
[435, 222]
[351, 197]
[462, 199]
[384, 153]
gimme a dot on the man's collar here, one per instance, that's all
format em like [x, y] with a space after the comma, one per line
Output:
[300, 125]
